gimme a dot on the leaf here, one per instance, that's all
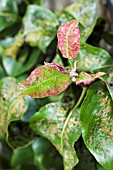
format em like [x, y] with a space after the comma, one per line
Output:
[87, 78]
[85, 15]
[12, 48]
[69, 39]
[91, 58]
[108, 77]
[64, 16]
[12, 106]
[41, 147]
[19, 134]
[49, 122]
[8, 13]
[97, 124]
[17, 68]
[22, 156]
[40, 26]
[48, 80]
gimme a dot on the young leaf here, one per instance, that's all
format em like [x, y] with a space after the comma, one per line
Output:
[97, 124]
[12, 107]
[49, 122]
[87, 78]
[48, 80]
[69, 39]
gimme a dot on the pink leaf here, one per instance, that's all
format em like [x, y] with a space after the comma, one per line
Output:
[48, 80]
[86, 78]
[69, 39]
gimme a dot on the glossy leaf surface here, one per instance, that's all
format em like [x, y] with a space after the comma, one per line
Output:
[97, 127]
[49, 122]
[69, 39]
[91, 58]
[8, 13]
[40, 26]
[48, 80]
[12, 107]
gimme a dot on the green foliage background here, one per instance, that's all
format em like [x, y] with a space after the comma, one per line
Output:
[30, 137]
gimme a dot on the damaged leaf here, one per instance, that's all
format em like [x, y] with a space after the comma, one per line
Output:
[48, 80]
[97, 124]
[86, 78]
[40, 26]
[49, 122]
[69, 39]
[12, 106]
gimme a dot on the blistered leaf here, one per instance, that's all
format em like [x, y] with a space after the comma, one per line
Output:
[85, 15]
[108, 77]
[8, 13]
[87, 78]
[97, 124]
[49, 122]
[12, 107]
[48, 80]
[64, 16]
[69, 39]
[13, 47]
[91, 58]
[40, 26]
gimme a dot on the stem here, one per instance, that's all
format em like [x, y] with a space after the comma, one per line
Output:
[70, 114]
[70, 63]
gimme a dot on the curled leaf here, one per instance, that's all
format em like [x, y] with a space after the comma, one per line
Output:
[48, 80]
[69, 39]
[86, 78]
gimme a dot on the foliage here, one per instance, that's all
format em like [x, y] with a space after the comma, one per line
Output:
[56, 88]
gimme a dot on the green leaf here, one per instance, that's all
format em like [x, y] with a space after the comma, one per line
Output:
[48, 80]
[64, 16]
[69, 39]
[40, 26]
[22, 156]
[41, 147]
[49, 122]
[13, 45]
[12, 106]
[85, 15]
[17, 68]
[91, 58]
[8, 13]
[97, 124]
[108, 77]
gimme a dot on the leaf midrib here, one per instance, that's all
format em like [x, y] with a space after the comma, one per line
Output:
[41, 84]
